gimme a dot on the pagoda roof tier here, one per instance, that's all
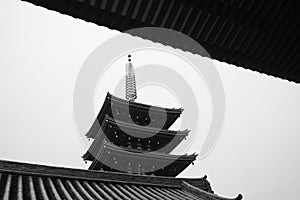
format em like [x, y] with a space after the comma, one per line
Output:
[157, 143]
[167, 171]
[125, 134]
[142, 106]
[129, 160]
[144, 131]
[32, 181]
[137, 113]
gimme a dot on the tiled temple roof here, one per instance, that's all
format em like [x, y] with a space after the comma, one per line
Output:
[31, 181]
[256, 34]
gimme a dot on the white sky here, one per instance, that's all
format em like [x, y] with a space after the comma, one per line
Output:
[41, 55]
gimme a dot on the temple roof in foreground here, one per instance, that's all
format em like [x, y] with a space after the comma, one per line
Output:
[256, 34]
[31, 181]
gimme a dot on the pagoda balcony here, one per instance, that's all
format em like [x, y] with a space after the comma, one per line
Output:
[136, 113]
[129, 160]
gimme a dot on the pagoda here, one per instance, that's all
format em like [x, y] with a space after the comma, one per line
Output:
[132, 137]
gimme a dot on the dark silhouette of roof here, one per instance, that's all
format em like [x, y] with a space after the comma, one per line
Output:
[31, 181]
[128, 139]
[256, 34]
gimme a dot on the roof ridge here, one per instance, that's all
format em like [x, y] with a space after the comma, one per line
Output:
[91, 175]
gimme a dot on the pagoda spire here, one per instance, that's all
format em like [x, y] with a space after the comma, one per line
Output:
[130, 93]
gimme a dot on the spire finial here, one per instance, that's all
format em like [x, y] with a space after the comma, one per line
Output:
[130, 81]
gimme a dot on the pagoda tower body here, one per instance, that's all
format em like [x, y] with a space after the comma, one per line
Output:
[132, 137]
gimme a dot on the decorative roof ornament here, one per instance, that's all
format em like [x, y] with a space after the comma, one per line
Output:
[130, 93]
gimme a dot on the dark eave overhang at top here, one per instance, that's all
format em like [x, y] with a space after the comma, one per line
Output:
[258, 35]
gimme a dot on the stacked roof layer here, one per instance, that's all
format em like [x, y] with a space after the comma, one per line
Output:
[132, 137]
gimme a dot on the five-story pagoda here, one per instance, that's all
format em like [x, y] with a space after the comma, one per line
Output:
[135, 138]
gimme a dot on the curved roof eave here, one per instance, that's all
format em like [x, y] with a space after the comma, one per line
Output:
[258, 35]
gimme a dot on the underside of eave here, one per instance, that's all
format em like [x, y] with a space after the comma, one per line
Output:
[257, 35]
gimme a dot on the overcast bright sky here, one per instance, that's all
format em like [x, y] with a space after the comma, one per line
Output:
[41, 54]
